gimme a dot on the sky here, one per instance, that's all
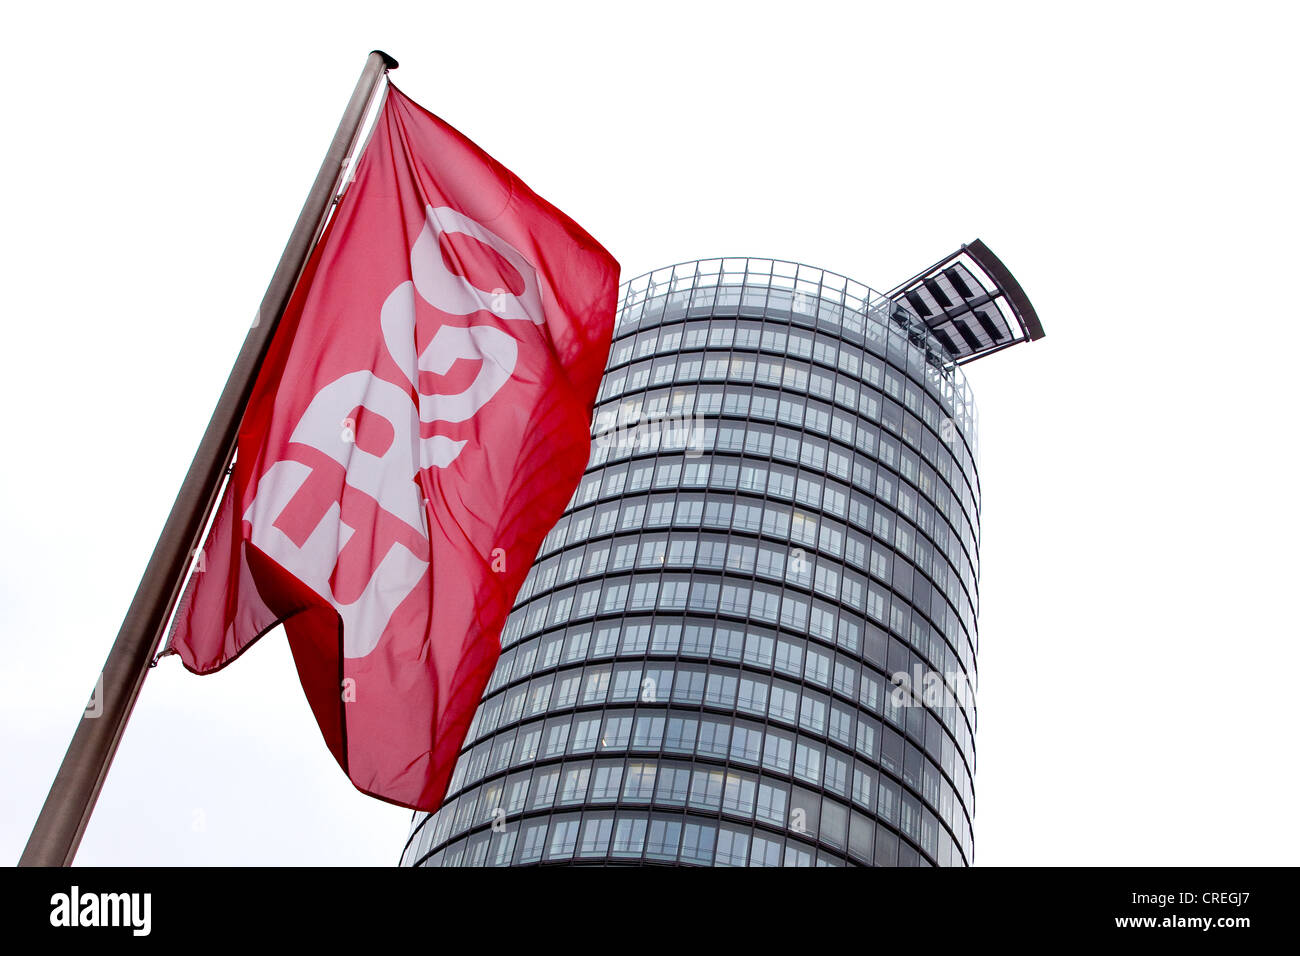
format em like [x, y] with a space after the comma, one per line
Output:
[1133, 164]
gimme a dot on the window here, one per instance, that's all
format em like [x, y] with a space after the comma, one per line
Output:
[595, 685]
[714, 736]
[772, 800]
[808, 761]
[712, 553]
[817, 667]
[717, 514]
[648, 733]
[747, 518]
[778, 751]
[624, 556]
[681, 734]
[534, 838]
[618, 730]
[812, 713]
[704, 596]
[834, 823]
[585, 735]
[740, 557]
[639, 477]
[763, 604]
[673, 595]
[803, 528]
[667, 638]
[697, 843]
[759, 649]
[613, 482]
[783, 703]
[789, 656]
[780, 484]
[735, 599]
[539, 695]
[674, 783]
[627, 683]
[752, 696]
[664, 838]
[544, 788]
[867, 735]
[653, 552]
[888, 800]
[615, 597]
[822, 623]
[529, 740]
[566, 689]
[556, 738]
[661, 513]
[681, 552]
[794, 612]
[706, 789]
[738, 794]
[629, 836]
[644, 595]
[595, 836]
[841, 725]
[640, 782]
[597, 558]
[727, 644]
[797, 855]
[721, 690]
[696, 475]
[746, 743]
[837, 773]
[574, 787]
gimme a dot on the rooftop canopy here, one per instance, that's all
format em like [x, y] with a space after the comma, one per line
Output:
[971, 303]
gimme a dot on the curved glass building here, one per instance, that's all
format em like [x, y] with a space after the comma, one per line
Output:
[751, 639]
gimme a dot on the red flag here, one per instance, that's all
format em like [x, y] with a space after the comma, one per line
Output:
[420, 422]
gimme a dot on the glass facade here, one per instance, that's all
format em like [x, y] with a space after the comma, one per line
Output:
[751, 638]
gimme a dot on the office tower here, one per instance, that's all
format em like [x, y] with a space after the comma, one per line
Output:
[751, 639]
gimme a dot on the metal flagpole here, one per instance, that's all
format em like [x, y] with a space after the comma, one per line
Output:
[76, 787]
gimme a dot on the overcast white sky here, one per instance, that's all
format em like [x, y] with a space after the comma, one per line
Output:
[1133, 164]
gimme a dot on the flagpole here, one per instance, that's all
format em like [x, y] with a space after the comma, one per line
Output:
[76, 787]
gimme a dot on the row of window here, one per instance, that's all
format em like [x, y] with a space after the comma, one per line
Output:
[730, 595]
[739, 691]
[799, 525]
[775, 446]
[898, 483]
[757, 648]
[944, 697]
[697, 594]
[916, 614]
[817, 554]
[738, 741]
[796, 403]
[773, 703]
[755, 603]
[882, 338]
[800, 397]
[931, 467]
[869, 417]
[669, 784]
[845, 836]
